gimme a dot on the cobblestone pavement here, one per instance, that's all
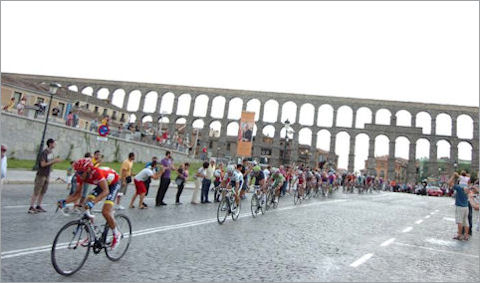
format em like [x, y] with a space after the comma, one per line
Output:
[373, 237]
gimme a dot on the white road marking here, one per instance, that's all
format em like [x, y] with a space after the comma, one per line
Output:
[361, 260]
[45, 248]
[428, 216]
[436, 250]
[387, 242]
[449, 219]
[419, 221]
[408, 229]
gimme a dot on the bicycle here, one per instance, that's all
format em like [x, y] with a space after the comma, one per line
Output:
[257, 202]
[228, 206]
[271, 198]
[81, 235]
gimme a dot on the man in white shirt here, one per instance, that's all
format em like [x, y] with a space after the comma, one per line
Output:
[139, 180]
[207, 181]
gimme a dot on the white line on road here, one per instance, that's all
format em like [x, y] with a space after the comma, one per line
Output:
[361, 260]
[419, 221]
[436, 250]
[20, 252]
[408, 229]
[387, 242]
[449, 219]
[428, 216]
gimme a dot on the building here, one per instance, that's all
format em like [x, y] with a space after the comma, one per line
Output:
[381, 168]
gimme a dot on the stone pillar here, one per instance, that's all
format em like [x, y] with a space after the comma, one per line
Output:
[126, 99]
[475, 147]
[141, 105]
[279, 114]
[391, 159]
[453, 156]
[354, 118]
[411, 169]
[433, 131]
[293, 146]
[351, 155]
[371, 157]
[373, 117]
[433, 170]
[334, 122]
[175, 105]
[331, 153]
[454, 128]
[313, 150]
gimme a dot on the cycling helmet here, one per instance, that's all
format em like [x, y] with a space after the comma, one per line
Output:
[230, 168]
[82, 164]
[256, 168]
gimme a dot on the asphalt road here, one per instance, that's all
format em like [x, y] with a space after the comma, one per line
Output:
[373, 237]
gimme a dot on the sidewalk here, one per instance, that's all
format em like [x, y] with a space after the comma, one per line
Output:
[25, 176]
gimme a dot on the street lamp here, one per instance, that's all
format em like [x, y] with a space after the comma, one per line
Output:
[455, 165]
[53, 87]
[287, 127]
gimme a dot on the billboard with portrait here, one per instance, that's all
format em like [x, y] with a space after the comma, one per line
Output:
[245, 134]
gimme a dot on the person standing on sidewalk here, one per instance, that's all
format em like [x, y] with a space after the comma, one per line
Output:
[207, 181]
[199, 176]
[3, 164]
[125, 176]
[181, 179]
[41, 179]
[167, 164]
[461, 207]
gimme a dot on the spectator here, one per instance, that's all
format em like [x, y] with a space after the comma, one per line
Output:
[199, 176]
[9, 106]
[167, 164]
[75, 119]
[139, 180]
[69, 121]
[3, 166]
[207, 181]
[41, 179]
[125, 176]
[181, 179]
[105, 121]
[463, 179]
[21, 106]
[149, 180]
[96, 160]
[55, 111]
[93, 125]
[461, 207]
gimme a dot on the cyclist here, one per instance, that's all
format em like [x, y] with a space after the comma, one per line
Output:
[236, 181]
[301, 182]
[107, 182]
[260, 181]
[278, 179]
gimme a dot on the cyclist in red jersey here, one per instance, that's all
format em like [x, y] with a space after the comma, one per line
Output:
[107, 183]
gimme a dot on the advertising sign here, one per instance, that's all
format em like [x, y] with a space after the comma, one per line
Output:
[245, 134]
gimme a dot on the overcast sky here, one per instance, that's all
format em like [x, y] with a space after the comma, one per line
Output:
[407, 51]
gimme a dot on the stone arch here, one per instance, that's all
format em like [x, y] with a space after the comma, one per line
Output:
[134, 100]
[383, 117]
[268, 131]
[464, 127]
[289, 111]
[323, 140]
[305, 136]
[73, 88]
[464, 151]
[364, 116]
[342, 148]
[198, 124]
[270, 111]
[88, 91]
[381, 145]
[200, 107]
[325, 116]
[344, 117]
[103, 93]
[307, 115]
[215, 129]
[361, 150]
[422, 149]
[443, 124]
[402, 147]
[235, 108]
[424, 120]
[232, 129]
[150, 104]
[404, 118]
[218, 107]
[166, 105]
[443, 149]
[253, 105]
[183, 105]
[118, 97]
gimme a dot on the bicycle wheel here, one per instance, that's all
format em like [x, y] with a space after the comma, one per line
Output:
[222, 210]
[268, 204]
[125, 228]
[254, 205]
[71, 247]
[263, 204]
[295, 197]
[236, 213]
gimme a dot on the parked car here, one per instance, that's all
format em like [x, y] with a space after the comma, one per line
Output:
[434, 191]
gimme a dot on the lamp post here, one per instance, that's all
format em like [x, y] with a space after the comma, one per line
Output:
[455, 165]
[53, 87]
[287, 127]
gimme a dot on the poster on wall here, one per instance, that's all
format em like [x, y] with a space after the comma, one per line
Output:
[245, 134]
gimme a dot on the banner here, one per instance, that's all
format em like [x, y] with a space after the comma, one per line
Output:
[245, 134]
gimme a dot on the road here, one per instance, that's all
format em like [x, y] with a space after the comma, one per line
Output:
[373, 237]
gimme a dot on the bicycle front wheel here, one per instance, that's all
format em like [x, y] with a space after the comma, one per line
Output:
[71, 247]
[222, 210]
[254, 205]
[236, 213]
[124, 227]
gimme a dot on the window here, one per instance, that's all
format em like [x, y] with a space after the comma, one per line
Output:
[87, 106]
[122, 119]
[114, 115]
[18, 96]
[61, 107]
[228, 146]
[96, 109]
[210, 145]
[104, 111]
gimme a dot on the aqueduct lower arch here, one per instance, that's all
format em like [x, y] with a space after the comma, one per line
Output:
[224, 145]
